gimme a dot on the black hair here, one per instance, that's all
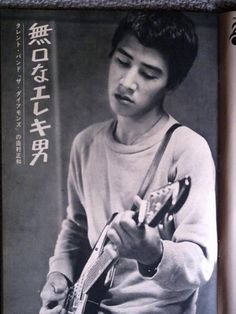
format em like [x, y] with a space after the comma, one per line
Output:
[171, 33]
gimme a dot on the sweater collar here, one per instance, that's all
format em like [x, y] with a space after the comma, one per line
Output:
[147, 140]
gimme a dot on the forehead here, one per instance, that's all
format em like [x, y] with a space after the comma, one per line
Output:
[131, 45]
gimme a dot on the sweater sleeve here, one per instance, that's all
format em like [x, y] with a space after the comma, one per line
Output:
[72, 246]
[188, 260]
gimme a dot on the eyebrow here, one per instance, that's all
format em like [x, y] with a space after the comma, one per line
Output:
[125, 53]
[149, 66]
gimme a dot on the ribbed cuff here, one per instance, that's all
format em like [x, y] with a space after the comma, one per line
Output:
[150, 270]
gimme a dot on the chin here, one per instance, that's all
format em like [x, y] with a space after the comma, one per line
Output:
[121, 110]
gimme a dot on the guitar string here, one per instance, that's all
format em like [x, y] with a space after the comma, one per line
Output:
[102, 263]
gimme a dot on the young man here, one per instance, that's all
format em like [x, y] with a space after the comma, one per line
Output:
[151, 55]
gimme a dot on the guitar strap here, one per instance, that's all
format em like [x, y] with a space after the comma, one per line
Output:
[155, 163]
[145, 184]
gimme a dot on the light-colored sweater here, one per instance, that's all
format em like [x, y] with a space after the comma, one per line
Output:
[104, 176]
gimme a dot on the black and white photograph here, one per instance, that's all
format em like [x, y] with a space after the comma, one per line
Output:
[109, 161]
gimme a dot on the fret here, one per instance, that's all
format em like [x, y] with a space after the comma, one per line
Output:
[108, 256]
[169, 199]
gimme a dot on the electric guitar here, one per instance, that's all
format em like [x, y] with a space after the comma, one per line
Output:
[85, 295]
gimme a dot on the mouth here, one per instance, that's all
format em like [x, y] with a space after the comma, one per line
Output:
[123, 98]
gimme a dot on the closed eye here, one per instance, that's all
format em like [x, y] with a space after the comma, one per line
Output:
[148, 76]
[123, 62]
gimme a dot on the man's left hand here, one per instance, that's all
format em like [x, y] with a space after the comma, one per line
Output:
[141, 244]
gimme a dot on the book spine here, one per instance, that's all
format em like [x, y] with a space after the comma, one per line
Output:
[227, 162]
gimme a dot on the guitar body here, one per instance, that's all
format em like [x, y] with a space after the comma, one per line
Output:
[94, 297]
[82, 299]
[85, 307]
[86, 294]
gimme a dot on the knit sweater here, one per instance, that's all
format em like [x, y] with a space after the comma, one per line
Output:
[104, 175]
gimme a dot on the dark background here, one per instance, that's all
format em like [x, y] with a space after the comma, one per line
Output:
[34, 198]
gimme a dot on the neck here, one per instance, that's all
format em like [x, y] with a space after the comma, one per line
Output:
[130, 129]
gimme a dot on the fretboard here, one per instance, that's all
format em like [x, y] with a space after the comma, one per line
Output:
[108, 256]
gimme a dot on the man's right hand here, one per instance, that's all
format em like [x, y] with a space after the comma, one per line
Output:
[53, 294]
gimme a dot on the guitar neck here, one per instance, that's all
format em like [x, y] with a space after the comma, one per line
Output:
[105, 260]
[164, 197]
[168, 199]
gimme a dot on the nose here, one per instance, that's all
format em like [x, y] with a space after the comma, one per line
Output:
[129, 80]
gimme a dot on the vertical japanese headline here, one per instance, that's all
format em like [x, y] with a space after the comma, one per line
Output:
[39, 42]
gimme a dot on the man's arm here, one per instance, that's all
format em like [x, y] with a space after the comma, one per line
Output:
[191, 255]
[188, 259]
[72, 247]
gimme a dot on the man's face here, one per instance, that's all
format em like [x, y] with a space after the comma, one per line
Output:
[138, 79]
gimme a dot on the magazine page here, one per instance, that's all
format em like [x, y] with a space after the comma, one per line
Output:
[84, 112]
[227, 200]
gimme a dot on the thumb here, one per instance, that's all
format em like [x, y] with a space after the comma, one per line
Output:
[137, 201]
[59, 284]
